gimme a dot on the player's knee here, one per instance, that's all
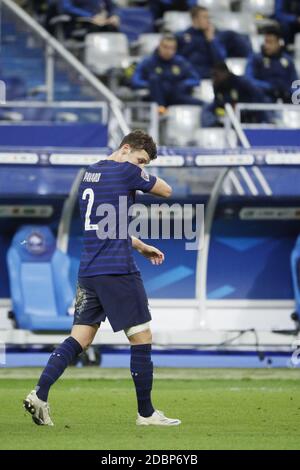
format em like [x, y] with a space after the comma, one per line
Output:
[143, 337]
[86, 344]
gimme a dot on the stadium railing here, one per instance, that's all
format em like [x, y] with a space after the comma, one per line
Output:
[53, 48]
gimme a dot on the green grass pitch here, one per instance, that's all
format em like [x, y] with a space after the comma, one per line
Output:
[95, 409]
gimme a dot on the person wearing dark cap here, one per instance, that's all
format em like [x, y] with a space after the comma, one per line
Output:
[272, 70]
[232, 89]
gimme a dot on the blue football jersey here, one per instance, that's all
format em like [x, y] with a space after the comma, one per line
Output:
[107, 247]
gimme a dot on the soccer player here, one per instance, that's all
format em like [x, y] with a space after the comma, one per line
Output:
[169, 77]
[272, 70]
[109, 282]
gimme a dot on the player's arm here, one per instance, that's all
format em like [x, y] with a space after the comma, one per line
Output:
[153, 254]
[161, 188]
[138, 179]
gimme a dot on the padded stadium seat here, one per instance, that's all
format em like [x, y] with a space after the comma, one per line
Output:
[260, 7]
[239, 22]
[295, 266]
[297, 46]
[39, 280]
[182, 122]
[148, 43]
[215, 138]
[205, 91]
[257, 41]
[104, 51]
[215, 4]
[237, 65]
[175, 21]
[291, 119]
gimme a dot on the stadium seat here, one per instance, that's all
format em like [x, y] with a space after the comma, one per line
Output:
[257, 41]
[291, 119]
[295, 267]
[239, 22]
[215, 138]
[237, 65]
[148, 42]
[297, 46]
[105, 51]
[175, 21]
[260, 7]
[39, 280]
[215, 4]
[205, 91]
[182, 122]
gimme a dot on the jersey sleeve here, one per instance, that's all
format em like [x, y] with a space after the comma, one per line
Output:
[138, 179]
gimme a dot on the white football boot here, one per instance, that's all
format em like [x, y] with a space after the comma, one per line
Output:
[157, 419]
[38, 409]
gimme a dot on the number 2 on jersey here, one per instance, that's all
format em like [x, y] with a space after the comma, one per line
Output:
[89, 193]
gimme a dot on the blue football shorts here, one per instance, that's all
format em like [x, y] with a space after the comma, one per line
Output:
[121, 298]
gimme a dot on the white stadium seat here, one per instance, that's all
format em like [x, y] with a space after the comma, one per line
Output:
[257, 41]
[260, 7]
[215, 138]
[104, 51]
[297, 46]
[205, 91]
[215, 4]
[175, 21]
[182, 122]
[291, 119]
[237, 65]
[148, 43]
[239, 22]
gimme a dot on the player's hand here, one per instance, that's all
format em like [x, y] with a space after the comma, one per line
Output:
[113, 20]
[153, 254]
[99, 20]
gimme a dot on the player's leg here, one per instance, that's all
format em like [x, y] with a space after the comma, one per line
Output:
[64, 355]
[141, 367]
[87, 318]
[36, 403]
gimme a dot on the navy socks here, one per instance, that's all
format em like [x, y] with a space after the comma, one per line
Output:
[59, 360]
[141, 368]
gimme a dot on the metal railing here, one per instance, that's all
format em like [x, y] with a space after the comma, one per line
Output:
[52, 47]
[276, 109]
[95, 105]
[147, 116]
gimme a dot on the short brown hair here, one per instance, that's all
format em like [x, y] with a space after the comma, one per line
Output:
[195, 10]
[140, 140]
[168, 37]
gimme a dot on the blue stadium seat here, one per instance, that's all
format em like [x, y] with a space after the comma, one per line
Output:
[39, 281]
[295, 262]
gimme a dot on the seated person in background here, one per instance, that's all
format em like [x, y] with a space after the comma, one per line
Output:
[159, 7]
[100, 13]
[287, 13]
[272, 70]
[232, 89]
[204, 47]
[199, 44]
[168, 76]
